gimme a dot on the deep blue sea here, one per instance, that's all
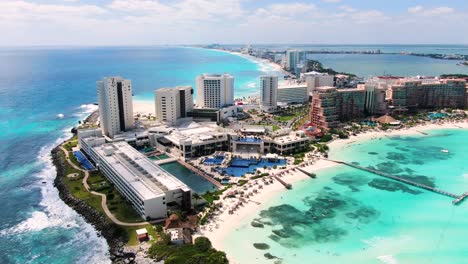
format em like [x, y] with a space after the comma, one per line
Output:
[38, 84]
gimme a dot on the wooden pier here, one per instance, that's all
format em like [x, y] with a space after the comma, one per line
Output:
[287, 185]
[458, 198]
[310, 174]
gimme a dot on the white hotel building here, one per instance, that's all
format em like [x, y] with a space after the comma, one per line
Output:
[268, 92]
[173, 103]
[115, 105]
[293, 93]
[215, 90]
[149, 188]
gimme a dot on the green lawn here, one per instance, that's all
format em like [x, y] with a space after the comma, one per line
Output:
[275, 127]
[284, 118]
[131, 232]
[120, 207]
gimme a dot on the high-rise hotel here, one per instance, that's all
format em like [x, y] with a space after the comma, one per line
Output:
[269, 92]
[115, 105]
[173, 103]
[215, 90]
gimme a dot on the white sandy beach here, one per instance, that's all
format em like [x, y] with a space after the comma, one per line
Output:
[227, 222]
[143, 107]
[398, 132]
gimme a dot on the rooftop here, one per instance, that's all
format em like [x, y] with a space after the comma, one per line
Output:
[146, 178]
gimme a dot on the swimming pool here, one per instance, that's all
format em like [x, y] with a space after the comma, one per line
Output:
[196, 182]
[239, 167]
[216, 160]
[83, 160]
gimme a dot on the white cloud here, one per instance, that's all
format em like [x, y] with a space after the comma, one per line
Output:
[331, 1]
[133, 22]
[420, 10]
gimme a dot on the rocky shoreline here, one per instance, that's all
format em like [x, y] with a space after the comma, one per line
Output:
[111, 232]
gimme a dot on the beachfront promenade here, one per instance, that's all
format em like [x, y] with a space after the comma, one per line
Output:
[458, 198]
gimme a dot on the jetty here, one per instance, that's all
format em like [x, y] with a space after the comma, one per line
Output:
[458, 198]
[310, 174]
[285, 184]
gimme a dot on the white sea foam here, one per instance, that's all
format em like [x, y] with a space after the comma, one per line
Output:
[55, 212]
[388, 259]
[85, 109]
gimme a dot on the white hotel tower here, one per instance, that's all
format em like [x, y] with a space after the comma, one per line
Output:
[269, 92]
[115, 105]
[173, 103]
[215, 90]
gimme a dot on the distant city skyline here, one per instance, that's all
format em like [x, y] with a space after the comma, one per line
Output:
[165, 22]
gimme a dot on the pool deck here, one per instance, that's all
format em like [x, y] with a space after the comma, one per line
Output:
[164, 161]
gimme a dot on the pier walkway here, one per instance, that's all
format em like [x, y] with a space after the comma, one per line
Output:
[285, 184]
[458, 198]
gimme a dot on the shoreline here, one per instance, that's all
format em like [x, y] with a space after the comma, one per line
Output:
[145, 107]
[227, 223]
[102, 226]
[416, 130]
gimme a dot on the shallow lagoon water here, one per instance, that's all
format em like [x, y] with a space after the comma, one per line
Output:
[350, 216]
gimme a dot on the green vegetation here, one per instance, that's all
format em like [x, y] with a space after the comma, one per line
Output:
[118, 205]
[201, 252]
[313, 65]
[275, 127]
[259, 176]
[130, 233]
[326, 138]
[210, 197]
[454, 76]
[321, 147]
[241, 182]
[284, 117]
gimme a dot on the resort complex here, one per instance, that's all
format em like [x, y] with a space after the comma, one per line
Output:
[198, 155]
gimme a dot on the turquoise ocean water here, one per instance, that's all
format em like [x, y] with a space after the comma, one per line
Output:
[350, 216]
[37, 84]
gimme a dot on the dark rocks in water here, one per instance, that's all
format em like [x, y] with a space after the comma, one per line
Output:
[350, 180]
[261, 246]
[391, 186]
[420, 179]
[274, 238]
[281, 233]
[417, 162]
[328, 234]
[284, 213]
[355, 163]
[269, 256]
[351, 215]
[113, 234]
[256, 224]
[372, 153]
[327, 188]
[389, 167]
[398, 157]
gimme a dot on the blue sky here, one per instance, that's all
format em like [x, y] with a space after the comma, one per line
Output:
[154, 22]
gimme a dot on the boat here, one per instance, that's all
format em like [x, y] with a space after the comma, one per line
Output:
[444, 150]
